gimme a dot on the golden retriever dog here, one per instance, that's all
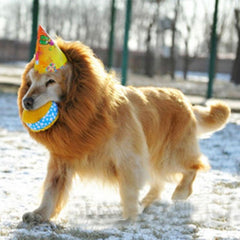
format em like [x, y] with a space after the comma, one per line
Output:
[126, 136]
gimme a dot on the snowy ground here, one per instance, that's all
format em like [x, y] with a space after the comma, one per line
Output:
[212, 212]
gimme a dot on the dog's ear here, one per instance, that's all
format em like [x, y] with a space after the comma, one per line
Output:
[67, 74]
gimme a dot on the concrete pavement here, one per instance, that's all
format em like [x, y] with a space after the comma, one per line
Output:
[10, 80]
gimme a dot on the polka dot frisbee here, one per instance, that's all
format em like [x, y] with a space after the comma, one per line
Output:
[42, 118]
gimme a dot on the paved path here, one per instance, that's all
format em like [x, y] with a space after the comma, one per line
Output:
[10, 79]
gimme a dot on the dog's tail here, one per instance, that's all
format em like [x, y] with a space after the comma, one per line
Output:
[211, 118]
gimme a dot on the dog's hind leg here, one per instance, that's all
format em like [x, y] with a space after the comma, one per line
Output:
[184, 188]
[187, 159]
[56, 188]
[190, 168]
[152, 195]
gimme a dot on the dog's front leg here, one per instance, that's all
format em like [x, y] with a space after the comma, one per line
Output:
[56, 187]
[130, 182]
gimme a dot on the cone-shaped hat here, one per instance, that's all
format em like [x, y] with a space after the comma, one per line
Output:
[48, 56]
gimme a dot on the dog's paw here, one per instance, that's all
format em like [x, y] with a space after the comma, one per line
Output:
[141, 208]
[124, 222]
[32, 218]
[130, 216]
[181, 194]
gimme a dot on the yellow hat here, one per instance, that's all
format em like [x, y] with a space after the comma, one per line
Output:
[48, 56]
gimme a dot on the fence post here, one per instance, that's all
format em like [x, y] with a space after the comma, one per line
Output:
[213, 51]
[125, 45]
[111, 36]
[35, 10]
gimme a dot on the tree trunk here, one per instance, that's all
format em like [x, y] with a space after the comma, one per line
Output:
[186, 61]
[149, 63]
[172, 55]
[149, 55]
[46, 16]
[173, 45]
[149, 60]
[236, 69]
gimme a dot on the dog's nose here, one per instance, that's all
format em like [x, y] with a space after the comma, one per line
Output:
[28, 103]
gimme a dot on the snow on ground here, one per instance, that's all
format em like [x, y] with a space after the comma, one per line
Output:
[212, 211]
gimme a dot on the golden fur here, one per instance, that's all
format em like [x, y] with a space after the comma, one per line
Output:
[125, 135]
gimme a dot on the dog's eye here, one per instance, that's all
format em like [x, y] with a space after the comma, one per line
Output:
[49, 82]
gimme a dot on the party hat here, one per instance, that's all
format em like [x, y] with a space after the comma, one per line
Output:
[48, 56]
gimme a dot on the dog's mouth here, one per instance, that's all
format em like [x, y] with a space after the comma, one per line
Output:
[31, 103]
